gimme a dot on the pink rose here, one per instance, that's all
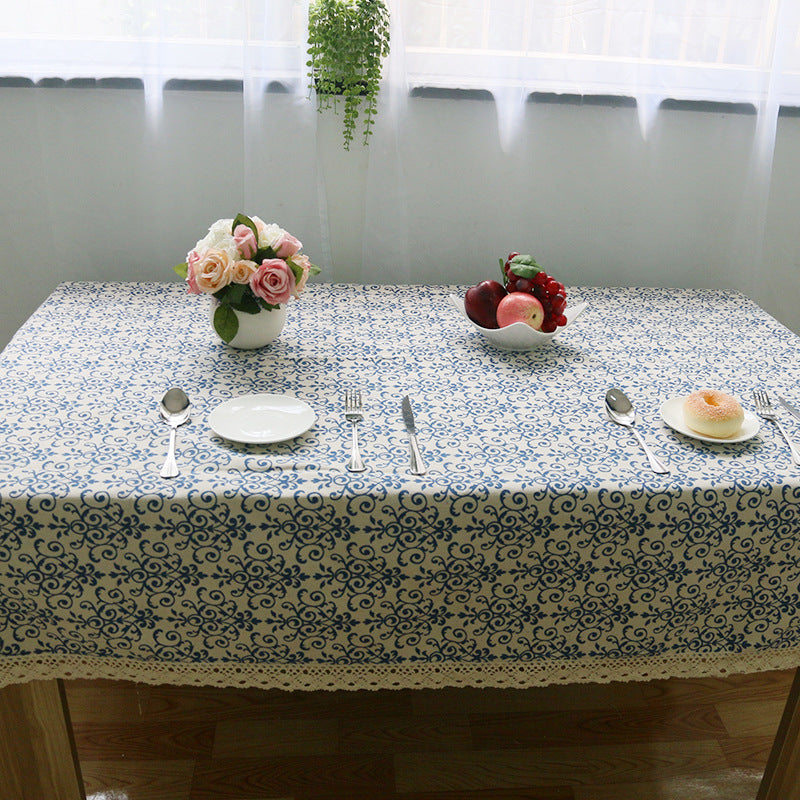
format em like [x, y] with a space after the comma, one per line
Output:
[304, 262]
[242, 271]
[192, 260]
[287, 246]
[273, 281]
[212, 270]
[245, 241]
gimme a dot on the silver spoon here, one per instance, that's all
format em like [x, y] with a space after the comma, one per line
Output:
[621, 411]
[175, 411]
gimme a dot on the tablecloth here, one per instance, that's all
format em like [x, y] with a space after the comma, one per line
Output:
[538, 548]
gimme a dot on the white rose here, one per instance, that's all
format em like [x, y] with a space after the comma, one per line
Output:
[268, 234]
[219, 237]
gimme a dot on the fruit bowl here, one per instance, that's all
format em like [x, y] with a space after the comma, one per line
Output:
[518, 336]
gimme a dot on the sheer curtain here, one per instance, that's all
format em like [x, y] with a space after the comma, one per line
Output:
[363, 212]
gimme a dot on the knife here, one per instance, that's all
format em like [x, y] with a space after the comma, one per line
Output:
[417, 464]
[789, 407]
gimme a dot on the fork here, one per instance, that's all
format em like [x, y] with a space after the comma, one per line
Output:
[353, 414]
[764, 409]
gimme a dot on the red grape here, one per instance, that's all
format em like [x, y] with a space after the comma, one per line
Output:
[525, 285]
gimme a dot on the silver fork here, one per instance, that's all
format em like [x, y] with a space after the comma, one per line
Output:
[353, 414]
[764, 409]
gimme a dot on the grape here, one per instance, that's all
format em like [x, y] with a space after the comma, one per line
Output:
[525, 285]
[545, 288]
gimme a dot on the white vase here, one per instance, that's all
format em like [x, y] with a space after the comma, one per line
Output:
[256, 330]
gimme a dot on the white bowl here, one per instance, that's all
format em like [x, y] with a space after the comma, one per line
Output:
[518, 336]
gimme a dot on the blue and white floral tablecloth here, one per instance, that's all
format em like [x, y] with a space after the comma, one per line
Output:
[539, 548]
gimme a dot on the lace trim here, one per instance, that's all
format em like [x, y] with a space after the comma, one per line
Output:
[517, 675]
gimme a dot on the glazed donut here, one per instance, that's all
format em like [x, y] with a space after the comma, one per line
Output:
[713, 413]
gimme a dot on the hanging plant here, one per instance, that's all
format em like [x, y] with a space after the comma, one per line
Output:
[347, 42]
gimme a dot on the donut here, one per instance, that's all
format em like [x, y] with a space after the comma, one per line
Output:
[713, 413]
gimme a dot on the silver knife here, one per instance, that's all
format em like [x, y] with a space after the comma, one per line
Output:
[417, 464]
[788, 406]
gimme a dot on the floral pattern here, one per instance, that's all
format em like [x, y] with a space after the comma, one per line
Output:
[537, 546]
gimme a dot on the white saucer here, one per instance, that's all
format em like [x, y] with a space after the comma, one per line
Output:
[672, 414]
[261, 418]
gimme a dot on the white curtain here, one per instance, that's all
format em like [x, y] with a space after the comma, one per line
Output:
[363, 212]
[741, 51]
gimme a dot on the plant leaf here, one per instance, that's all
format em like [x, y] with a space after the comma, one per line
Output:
[181, 269]
[222, 294]
[524, 266]
[226, 323]
[248, 304]
[297, 271]
[241, 219]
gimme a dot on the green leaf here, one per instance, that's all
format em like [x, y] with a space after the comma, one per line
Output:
[235, 294]
[181, 269]
[297, 271]
[238, 296]
[262, 253]
[248, 304]
[524, 266]
[241, 219]
[226, 323]
[222, 294]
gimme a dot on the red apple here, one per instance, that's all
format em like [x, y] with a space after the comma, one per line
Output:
[481, 302]
[520, 307]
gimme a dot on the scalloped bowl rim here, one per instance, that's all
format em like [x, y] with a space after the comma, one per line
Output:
[518, 335]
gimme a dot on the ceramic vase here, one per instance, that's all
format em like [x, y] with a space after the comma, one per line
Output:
[256, 330]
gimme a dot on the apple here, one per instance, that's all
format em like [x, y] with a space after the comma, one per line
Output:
[481, 302]
[520, 307]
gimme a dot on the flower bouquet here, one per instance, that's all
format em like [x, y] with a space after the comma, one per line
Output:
[248, 266]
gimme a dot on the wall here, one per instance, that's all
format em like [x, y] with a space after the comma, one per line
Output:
[91, 191]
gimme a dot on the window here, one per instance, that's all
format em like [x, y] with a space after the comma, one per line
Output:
[718, 50]
[155, 40]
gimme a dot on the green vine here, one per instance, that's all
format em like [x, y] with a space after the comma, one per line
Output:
[347, 42]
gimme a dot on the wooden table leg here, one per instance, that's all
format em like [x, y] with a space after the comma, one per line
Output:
[781, 779]
[37, 751]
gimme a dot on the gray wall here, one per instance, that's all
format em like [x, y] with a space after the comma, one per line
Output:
[93, 190]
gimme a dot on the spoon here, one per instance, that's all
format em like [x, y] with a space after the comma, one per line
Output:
[175, 411]
[621, 411]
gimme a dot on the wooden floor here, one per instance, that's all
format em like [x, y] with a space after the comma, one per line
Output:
[665, 740]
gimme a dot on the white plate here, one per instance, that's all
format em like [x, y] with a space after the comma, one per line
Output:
[672, 414]
[261, 418]
[518, 336]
